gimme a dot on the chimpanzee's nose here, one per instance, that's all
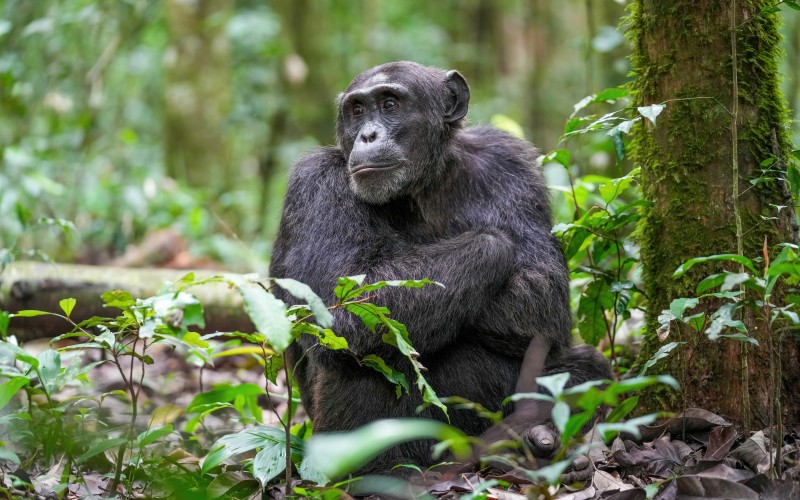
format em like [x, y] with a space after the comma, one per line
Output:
[369, 136]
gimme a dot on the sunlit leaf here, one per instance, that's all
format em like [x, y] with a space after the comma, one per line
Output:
[267, 313]
[651, 112]
[152, 435]
[100, 447]
[9, 388]
[337, 454]
[323, 316]
[269, 462]
[67, 305]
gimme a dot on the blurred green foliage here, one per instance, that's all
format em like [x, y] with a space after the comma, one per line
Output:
[92, 94]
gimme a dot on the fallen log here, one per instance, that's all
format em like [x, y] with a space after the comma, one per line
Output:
[39, 285]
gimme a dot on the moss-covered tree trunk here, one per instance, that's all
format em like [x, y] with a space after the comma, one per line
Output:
[697, 163]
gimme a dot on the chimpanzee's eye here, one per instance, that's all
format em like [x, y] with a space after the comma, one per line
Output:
[389, 104]
[358, 109]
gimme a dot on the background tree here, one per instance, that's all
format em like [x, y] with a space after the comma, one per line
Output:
[715, 65]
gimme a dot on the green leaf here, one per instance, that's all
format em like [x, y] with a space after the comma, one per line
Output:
[337, 454]
[324, 318]
[267, 313]
[609, 430]
[560, 156]
[346, 285]
[49, 369]
[662, 353]
[224, 394]
[5, 319]
[10, 387]
[722, 257]
[119, 299]
[619, 144]
[595, 300]
[98, 448]
[679, 306]
[7, 455]
[244, 441]
[651, 112]
[29, 313]
[269, 462]
[615, 187]
[710, 282]
[623, 410]
[67, 305]
[392, 375]
[152, 435]
[554, 383]
[560, 415]
[610, 94]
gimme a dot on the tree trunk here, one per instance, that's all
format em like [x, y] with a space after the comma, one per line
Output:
[197, 94]
[718, 126]
[37, 285]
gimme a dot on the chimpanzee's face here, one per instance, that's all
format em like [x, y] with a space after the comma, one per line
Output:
[391, 127]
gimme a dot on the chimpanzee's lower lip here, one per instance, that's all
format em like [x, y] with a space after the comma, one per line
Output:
[370, 167]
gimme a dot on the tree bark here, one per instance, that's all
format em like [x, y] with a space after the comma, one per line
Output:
[718, 126]
[36, 285]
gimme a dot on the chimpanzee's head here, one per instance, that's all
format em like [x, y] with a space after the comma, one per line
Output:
[394, 125]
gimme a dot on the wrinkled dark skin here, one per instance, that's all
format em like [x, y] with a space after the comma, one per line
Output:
[409, 193]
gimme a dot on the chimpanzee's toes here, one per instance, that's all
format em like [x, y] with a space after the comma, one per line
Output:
[579, 471]
[543, 440]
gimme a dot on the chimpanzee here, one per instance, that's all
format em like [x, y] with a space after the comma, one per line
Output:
[409, 193]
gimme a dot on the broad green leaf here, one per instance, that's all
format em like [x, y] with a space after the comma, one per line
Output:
[10, 387]
[392, 375]
[623, 410]
[733, 280]
[594, 302]
[346, 285]
[610, 94]
[679, 306]
[651, 112]
[67, 305]
[610, 190]
[49, 369]
[152, 435]
[266, 311]
[119, 299]
[729, 257]
[7, 455]
[246, 440]
[337, 454]
[100, 447]
[324, 318]
[308, 472]
[560, 156]
[710, 282]
[269, 462]
[224, 394]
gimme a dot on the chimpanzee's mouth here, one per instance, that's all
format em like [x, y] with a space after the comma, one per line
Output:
[366, 168]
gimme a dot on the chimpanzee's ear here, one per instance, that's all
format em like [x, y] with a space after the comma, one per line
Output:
[458, 104]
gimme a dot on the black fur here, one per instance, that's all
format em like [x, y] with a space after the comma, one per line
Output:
[466, 207]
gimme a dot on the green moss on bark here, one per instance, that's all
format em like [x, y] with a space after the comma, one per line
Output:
[683, 55]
